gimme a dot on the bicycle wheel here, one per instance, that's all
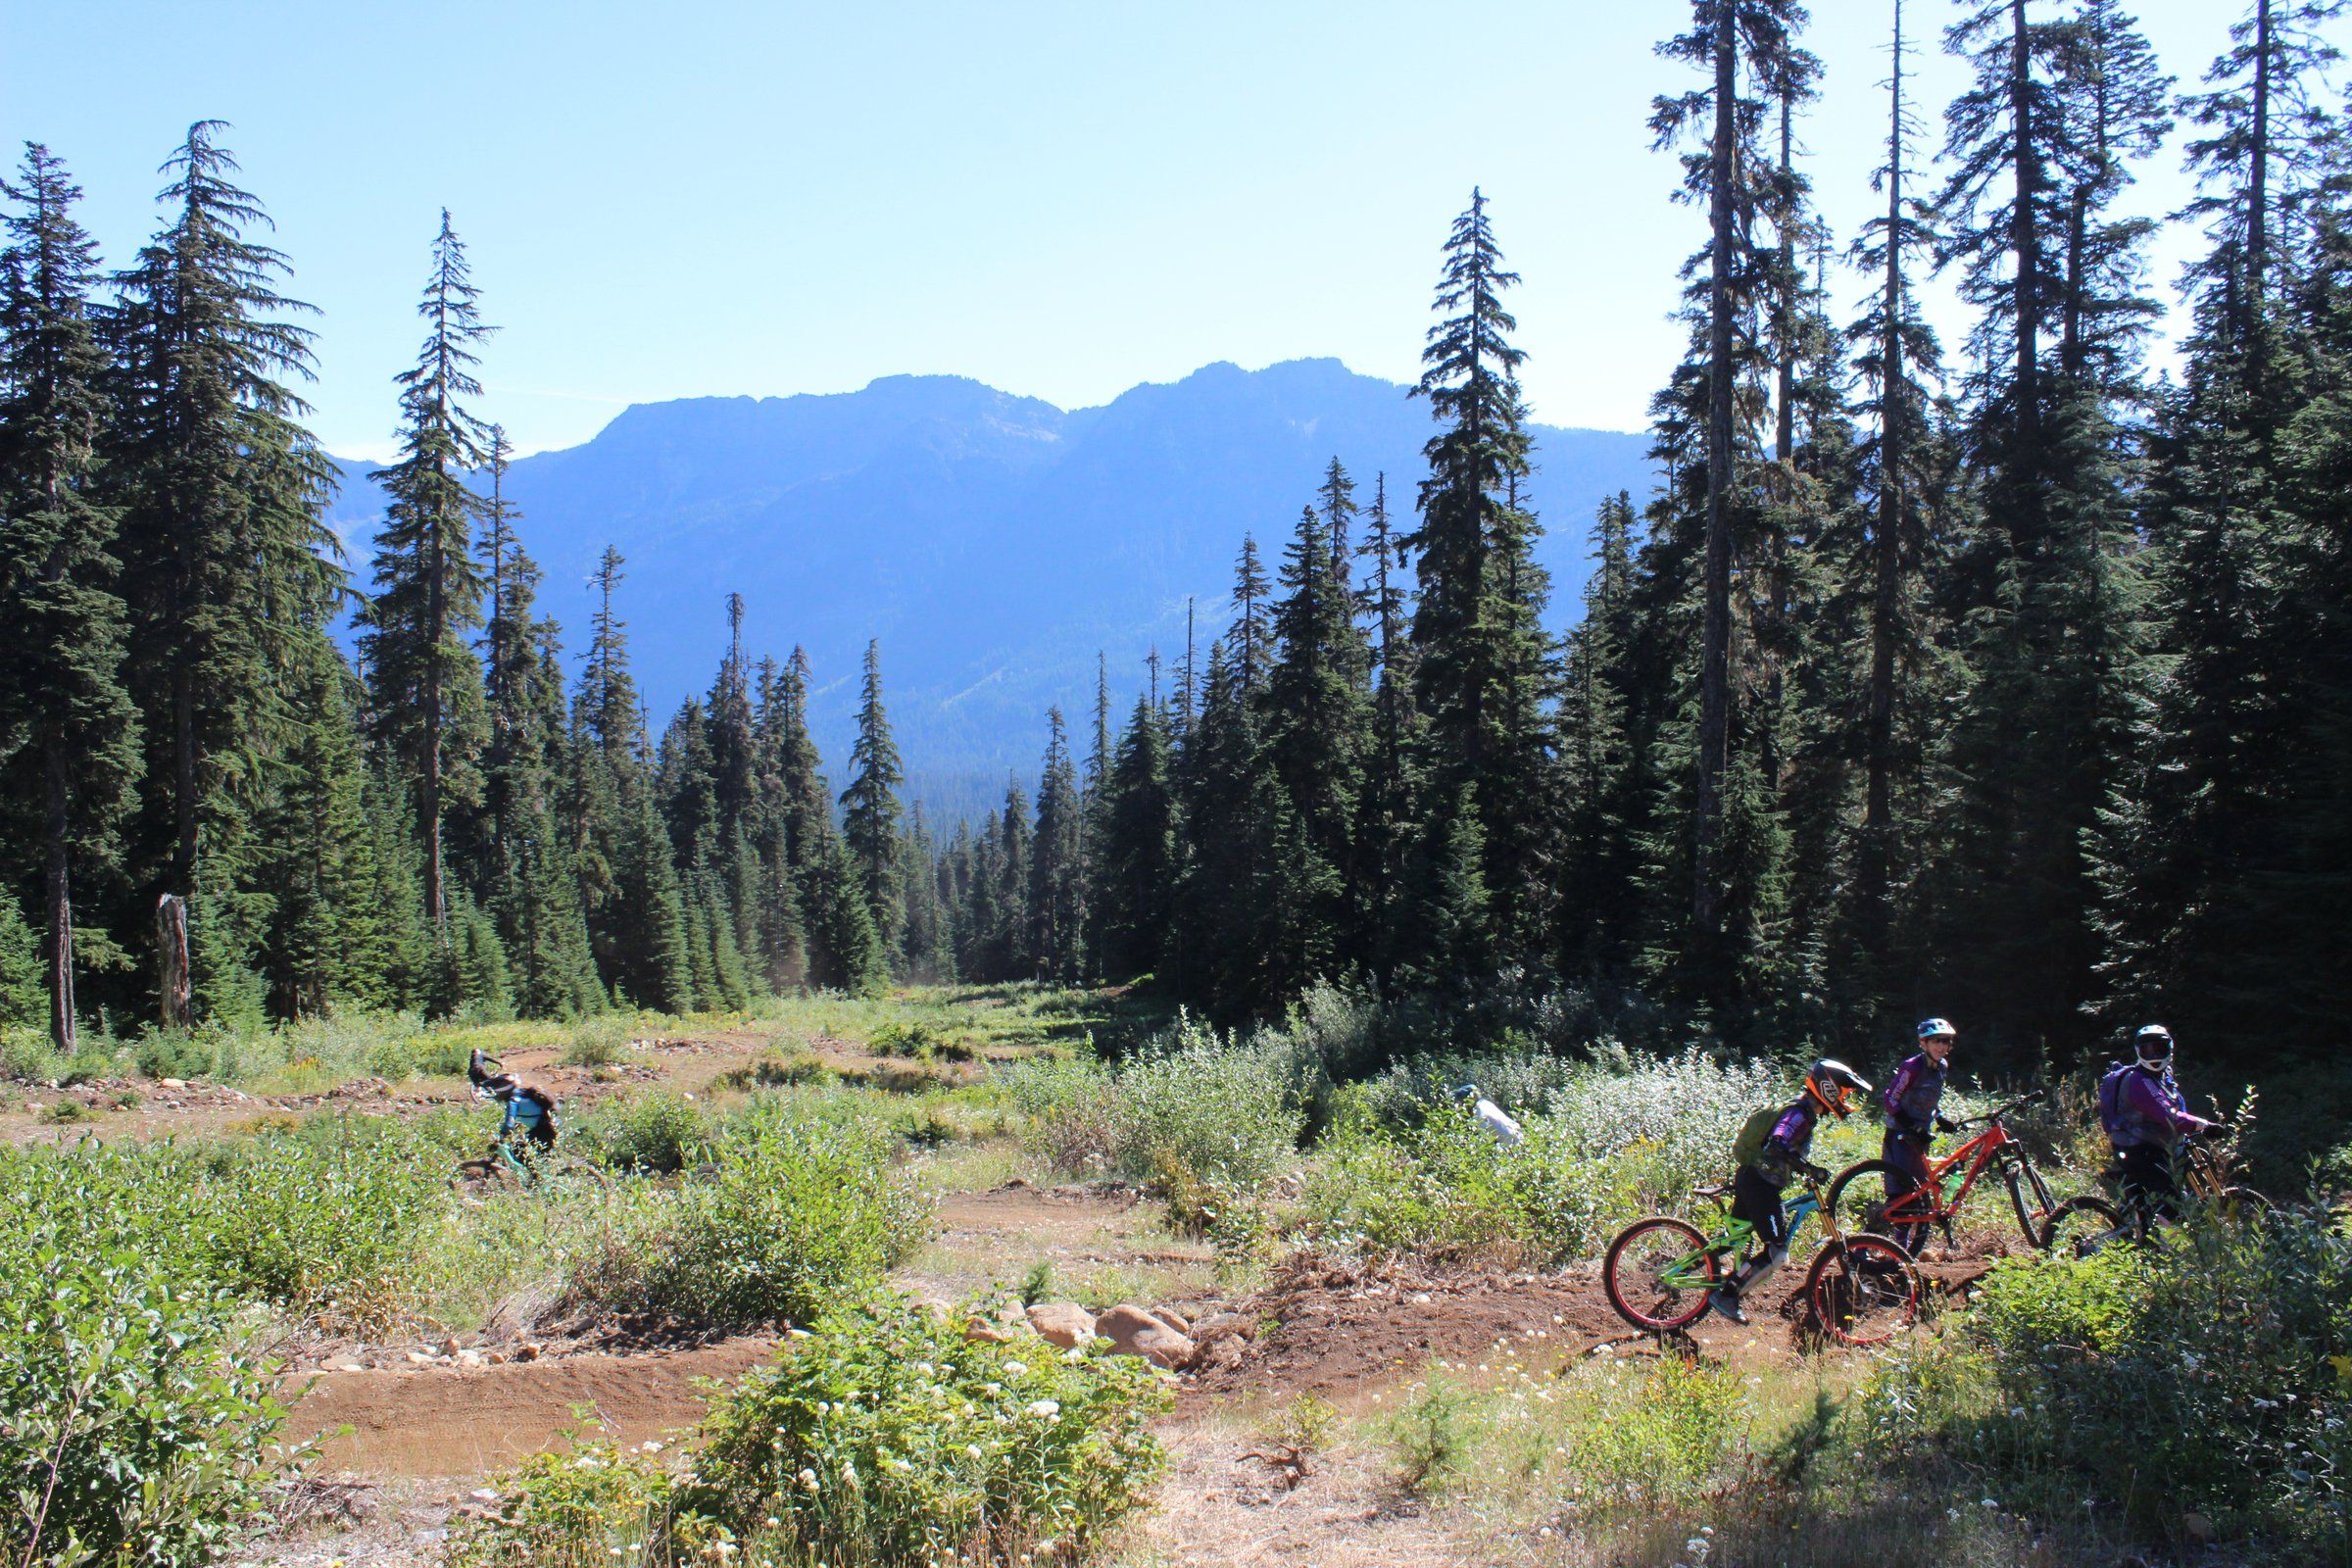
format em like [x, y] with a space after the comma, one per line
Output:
[1659, 1272]
[1863, 1290]
[2081, 1226]
[1869, 1207]
[2020, 1175]
[2240, 1205]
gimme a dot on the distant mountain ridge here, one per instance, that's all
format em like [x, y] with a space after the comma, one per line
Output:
[994, 543]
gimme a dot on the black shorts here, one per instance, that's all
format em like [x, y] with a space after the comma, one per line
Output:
[1758, 1201]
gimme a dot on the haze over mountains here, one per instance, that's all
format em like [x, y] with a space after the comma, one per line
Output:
[992, 542]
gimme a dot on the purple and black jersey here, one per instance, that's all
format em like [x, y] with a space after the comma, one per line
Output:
[1913, 1097]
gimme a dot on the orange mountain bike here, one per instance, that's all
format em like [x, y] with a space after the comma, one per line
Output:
[2043, 1220]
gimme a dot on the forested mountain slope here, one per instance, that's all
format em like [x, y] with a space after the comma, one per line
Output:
[993, 543]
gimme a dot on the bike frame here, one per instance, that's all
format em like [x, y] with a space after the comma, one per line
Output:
[1925, 1203]
[1689, 1271]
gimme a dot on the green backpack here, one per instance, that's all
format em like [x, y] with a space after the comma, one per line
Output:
[1748, 1146]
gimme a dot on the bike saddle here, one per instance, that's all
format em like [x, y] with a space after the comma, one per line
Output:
[1721, 1189]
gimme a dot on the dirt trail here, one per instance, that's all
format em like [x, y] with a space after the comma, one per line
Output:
[1340, 1331]
[461, 1421]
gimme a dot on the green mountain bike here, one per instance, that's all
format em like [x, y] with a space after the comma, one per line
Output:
[1862, 1289]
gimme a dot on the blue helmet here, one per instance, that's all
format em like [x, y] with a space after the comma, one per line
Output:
[1936, 1028]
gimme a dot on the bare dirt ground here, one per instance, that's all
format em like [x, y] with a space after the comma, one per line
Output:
[465, 1421]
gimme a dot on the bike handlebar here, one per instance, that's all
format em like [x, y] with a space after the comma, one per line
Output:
[1999, 1111]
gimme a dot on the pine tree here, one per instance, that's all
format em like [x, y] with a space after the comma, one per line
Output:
[1057, 905]
[424, 683]
[531, 892]
[1012, 956]
[1477, 633]
[622, 855]
[1316, 711]
[846, 952]
[1383, 830]
[69, 735]
[2263, 146]
[2216, 754]
[330, 942]
[782, 935]
[1724, 36]
[221, 542]
[927, 941]
[1597, 874]
[1139, 858]
[2058, 638]
[870, 805]
[1897, 358]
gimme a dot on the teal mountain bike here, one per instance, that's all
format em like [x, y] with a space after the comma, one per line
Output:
[1861, 1289]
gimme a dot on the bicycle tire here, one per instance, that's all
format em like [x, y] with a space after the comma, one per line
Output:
[2018, 1175]
[1872, 1212]
[1863, 1290]
[2240, 1205]
[2081, 1226]
[1648, 1241]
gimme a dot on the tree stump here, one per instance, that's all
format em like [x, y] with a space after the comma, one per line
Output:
[171, 951]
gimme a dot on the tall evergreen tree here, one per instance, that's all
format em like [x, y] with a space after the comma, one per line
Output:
[69, 736]
[424, 681]
[1897, 361]
[1131, 906]
[1316, 708]
[1477, 631]
[1057, 903]
[225, 556]
[1724, 36]
[870, 809]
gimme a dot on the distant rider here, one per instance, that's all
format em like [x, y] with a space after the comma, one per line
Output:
[1772, 1150]
[1497, 1122]
[1911, 1106]
[529, 1126]
[2146, 1118]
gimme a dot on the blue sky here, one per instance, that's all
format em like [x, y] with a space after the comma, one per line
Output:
[726, 196]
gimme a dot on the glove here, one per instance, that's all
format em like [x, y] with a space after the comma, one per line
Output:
[1945, 1124]
[1816, 1174]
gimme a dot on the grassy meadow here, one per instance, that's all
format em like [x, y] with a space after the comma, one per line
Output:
[785, 1171]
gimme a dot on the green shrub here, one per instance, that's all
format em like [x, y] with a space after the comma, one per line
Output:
[921, 1041]
[26, 1056]
[130, 1427]
[882, 1440]
[177, 1053]
[2208, 1372]
[656, 1134]
[595, 1504]
[780, 1069]
[1430, 1433]
[801, 1213]
[888, 1439]
[1407, 1171]
[1191, 1113]
[596, 1043]
[329, 1223]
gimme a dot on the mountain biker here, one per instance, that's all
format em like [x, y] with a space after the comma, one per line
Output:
[1910, 1105]
[528, 1125]
[1771, 1150]
[2146, 1118]
[1497, 1122]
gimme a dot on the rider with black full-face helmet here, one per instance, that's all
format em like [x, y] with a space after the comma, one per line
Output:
[2146, 1118]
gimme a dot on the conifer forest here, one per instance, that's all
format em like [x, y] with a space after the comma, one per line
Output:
[2004, 678]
